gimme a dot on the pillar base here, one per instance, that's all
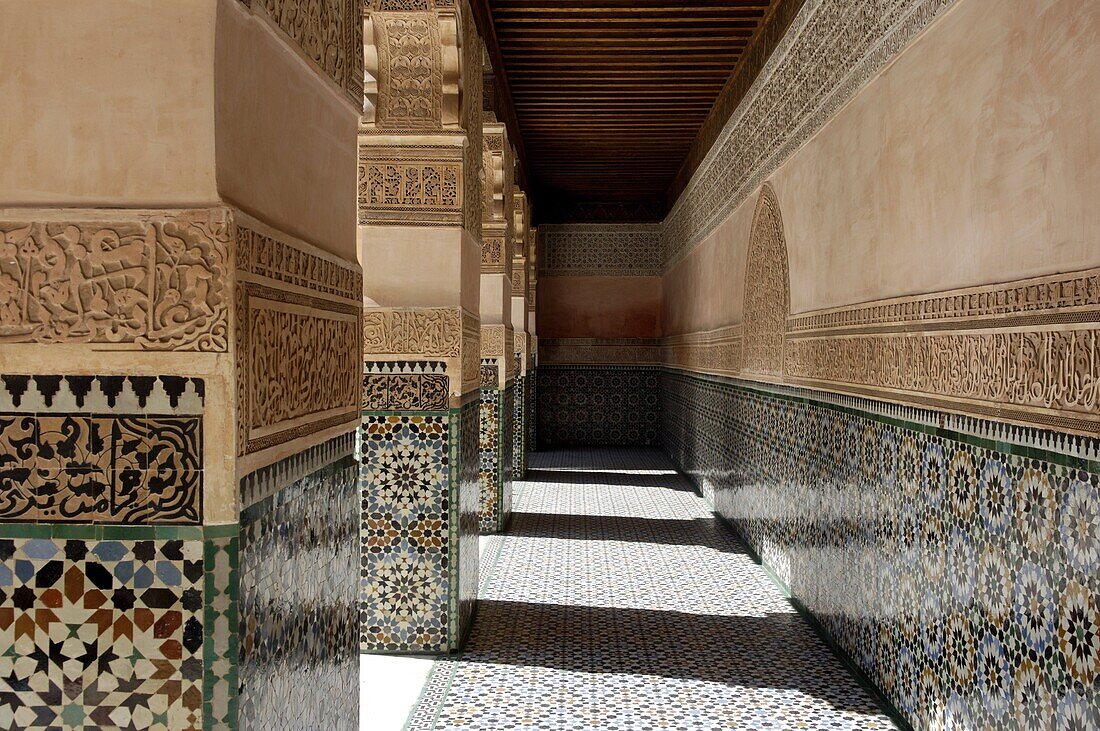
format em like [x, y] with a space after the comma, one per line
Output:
[419, 495]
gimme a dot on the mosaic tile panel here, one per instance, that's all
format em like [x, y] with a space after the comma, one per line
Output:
[101, 449]
[299, 609]
[531, 405]
[617, 601]
[465, 519]
[519, 428]
[960, 572]
[110, 628]
[597, 405]
[495, 458]
[405, 533]
[419, 493]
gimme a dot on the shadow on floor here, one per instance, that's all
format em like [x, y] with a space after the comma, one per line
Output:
[670, 481]
[776, 651]
[704, 532]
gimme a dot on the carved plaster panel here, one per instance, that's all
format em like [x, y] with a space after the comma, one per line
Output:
[328, 32]
[124, 280]
[411, 185]
[416, 334]
[297, 338]
[583, 250]
[767, 291]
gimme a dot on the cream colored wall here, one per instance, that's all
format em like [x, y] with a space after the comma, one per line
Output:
[286, 135]
[973, 159]
[97, 117]
[420, 266]
[496, 300]
[599, 307]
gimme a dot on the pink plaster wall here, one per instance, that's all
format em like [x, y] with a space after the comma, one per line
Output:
[599, 307]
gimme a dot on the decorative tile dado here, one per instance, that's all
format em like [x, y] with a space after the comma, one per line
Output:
[102, 633]
[581, 250]
[600, 351]
[826, 56]
[406, 533]
[329, 33]
[298, 608]
[405, 386]
[966, 587]
[597, 405]
[490, 375]
[101, 449]
[123, 281]
[269, 480]
[299, 359]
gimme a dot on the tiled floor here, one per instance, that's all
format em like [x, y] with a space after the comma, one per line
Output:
[616, 601]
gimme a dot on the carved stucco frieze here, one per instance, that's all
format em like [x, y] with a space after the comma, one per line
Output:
[328, 32]
[618, 250]
[411, 185]
[298, 331]
[414, 334]
[1025, 351]
[120, 281]
[828, 54]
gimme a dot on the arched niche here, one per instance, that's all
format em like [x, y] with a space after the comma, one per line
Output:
[767, 293]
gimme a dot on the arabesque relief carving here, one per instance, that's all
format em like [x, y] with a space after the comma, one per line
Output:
[131, 281]
[586, 250]
[298, 354]
[767, 290]
[424, 332]
[398, 189]
[409, 71]
[328, 32]
[826, 56]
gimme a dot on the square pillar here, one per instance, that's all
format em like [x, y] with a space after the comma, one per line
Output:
[179, 381]
[420, 200]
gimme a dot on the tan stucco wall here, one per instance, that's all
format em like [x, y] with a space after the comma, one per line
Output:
[973, 159]
[420, 266]
[107, 103]
[599, 307]
[286, 135]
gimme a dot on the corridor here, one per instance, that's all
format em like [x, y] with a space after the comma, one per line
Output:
[617, 601]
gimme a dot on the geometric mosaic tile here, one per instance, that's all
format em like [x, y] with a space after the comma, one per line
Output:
[617, 601]
[101, 633]
[495, 457]
[597, 405]
[961, 574]
[298, 604]
[101, 449]
[419, 499]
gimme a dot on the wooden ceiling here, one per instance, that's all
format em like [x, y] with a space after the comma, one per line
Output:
[609, 95]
